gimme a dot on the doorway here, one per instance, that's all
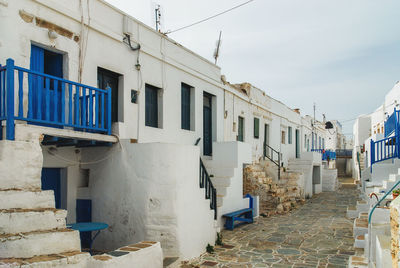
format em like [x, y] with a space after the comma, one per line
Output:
[207, 124]
[266, 139]
[51, 63]
[106, 78]
[51, 180]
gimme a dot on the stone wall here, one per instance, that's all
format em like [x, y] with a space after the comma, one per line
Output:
[275, 197]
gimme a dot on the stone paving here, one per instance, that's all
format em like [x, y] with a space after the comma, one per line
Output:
[315, 235]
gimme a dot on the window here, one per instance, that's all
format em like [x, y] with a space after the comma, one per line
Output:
[283, 137]
[320, 143]
[240, 136]
[305, 141]
[256, 127]
[151, 98]
[323, 143]
[185, 106]
[107, 78]
[290, 135]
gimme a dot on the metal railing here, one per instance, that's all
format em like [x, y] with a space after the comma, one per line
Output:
[372, 212]
[210, 191]
[344, 153]
[51, 101]
[274, 156]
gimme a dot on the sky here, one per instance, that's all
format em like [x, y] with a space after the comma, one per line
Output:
[342, 55]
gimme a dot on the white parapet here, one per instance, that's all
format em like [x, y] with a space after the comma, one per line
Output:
[138, 255]
[20, 165]
[27, 245]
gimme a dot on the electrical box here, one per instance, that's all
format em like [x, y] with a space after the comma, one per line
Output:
[127, 27]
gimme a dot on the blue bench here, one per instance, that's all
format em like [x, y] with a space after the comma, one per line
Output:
[243, 215]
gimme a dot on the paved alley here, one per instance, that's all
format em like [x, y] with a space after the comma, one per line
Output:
[315, 235]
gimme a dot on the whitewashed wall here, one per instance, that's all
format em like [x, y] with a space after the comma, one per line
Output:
[151, 192]
[164, 63]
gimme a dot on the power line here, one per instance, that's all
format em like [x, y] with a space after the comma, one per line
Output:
[211, 17]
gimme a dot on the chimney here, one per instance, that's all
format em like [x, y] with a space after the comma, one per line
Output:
[297, 110]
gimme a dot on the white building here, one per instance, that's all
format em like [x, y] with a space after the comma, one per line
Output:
[130, 156]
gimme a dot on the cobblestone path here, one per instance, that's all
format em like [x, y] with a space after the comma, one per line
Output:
[315, 235]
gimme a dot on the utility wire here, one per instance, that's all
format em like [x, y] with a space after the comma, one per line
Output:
[209, 18]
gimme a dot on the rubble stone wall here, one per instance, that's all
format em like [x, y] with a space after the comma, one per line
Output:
[275, 197]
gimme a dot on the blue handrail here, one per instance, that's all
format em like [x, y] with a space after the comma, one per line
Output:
[51, 101]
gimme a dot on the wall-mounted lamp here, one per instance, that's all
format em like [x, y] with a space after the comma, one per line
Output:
[52, 34]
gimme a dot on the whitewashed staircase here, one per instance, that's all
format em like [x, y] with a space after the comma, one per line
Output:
[29, 223]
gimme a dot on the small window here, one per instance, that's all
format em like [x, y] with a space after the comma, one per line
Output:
[290, 135]
[151, 97]
[185, 106]
[134, 95]
[256, 127]
[283, 137]
[240, 136]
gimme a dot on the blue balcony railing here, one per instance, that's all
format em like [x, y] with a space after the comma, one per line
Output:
[391, 122]
[384, 149]
[46, 100]
[325, 154]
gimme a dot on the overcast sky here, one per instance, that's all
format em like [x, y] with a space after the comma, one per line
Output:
[344, 55]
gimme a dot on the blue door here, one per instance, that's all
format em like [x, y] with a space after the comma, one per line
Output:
[50, 63]
[51, 180]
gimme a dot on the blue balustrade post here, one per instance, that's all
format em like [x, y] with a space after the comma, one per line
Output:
[108, 110]
[372, 158]
[10, 130]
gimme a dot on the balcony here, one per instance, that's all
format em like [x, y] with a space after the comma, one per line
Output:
[391, 123]
[52, 103]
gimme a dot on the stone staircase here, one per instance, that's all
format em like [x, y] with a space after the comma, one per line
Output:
[275, 197]
[31, 229]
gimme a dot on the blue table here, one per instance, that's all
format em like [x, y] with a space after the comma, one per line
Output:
[89, 227]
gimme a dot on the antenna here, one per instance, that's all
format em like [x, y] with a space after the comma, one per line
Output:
[158, 17]
[157, 11]
[218, 44]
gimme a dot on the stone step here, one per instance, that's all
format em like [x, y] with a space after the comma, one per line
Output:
[27, 245]
[73, 259]
[26, 199]
[359, 242]
[360, 227]
[220, 201]
[358, 262]
[221, 181]
[362, 206]
[221, 190]
[220, 171]
[15, 221]
[351, 212]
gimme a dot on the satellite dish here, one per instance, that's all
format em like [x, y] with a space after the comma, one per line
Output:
[328, 125]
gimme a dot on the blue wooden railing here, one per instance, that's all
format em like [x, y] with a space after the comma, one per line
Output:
[384, 149]
[46, 100]
[325, 154]
[391, 123]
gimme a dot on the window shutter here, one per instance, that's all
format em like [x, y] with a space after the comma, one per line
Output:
[256, 128]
